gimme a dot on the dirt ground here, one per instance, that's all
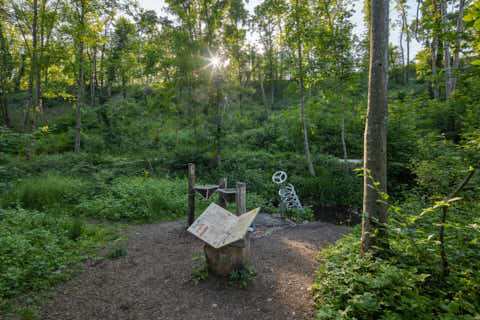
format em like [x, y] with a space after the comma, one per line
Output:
[153, 281]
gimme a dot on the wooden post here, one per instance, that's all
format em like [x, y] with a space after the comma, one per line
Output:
[241, 208]
[222, 184]
[241, 198]
[191, 193]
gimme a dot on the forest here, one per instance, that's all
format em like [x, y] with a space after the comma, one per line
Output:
[105, 103]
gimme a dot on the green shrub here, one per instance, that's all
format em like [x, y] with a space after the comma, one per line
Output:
[242, 276]
[48, 191]
[405, 281]
[350, 286]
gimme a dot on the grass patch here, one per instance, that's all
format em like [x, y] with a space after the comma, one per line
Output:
[140, 200]
[49, 191]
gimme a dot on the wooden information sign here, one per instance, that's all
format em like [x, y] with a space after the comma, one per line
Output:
[218, 227]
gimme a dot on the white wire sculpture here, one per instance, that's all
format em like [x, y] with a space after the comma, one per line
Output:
[287, 192]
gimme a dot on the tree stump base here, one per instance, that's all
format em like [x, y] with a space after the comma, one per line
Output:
[224, 260]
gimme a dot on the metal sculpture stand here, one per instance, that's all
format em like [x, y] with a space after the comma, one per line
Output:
[287, 193]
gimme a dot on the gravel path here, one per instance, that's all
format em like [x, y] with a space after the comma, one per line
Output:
[153, 280]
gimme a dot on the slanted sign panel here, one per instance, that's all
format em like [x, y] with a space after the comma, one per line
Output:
[218, 227]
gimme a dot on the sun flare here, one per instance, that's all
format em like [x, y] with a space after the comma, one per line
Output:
[215, 61]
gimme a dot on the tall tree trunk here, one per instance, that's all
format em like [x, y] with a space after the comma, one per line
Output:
[264, 97]
[40, 59]
[6, 117]
[272, 83]
[102, 72]
[456, 56]
[35, 63]
[4, 97]
[446, 52]
[407, 39]
[33, 91]
[124, 85]
[435, 53]
[6, 69]
[375, 138]
[407, 33]
[344, 144]
[19, 75]
[80, 91]
[240, 91]
[219, 124]
[93, 77]
[78, 126]
[302, 93]
[402, 55]
[26, 118]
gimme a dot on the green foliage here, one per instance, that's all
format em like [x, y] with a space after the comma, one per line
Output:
[242, 276]
[37, 250]
[442, 165]
[55, 143]
[407, 280]
[28, 314]
[397, 286]
[76, 229]
[116, 253]
[200, 270]
[300, 215]
[350, 286]
[10, 141]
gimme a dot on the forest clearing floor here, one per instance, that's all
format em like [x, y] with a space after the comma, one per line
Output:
[153, 280]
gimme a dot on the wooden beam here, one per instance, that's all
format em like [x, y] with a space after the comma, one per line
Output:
[191, 193]
[222, 184]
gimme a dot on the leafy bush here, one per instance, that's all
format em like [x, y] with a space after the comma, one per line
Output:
[37, 250]
[350, 286]
[406, 281]
[242, 276]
